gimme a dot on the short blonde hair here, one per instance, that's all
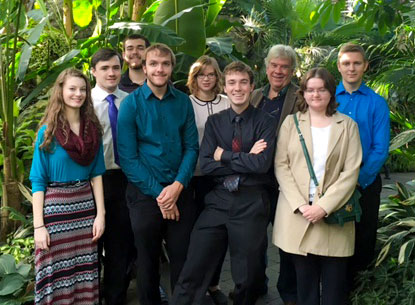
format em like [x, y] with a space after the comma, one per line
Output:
[198, 66]
[352, 48]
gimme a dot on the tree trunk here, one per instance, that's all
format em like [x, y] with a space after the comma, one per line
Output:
[11, 198]
[138, 9]
[68, 17]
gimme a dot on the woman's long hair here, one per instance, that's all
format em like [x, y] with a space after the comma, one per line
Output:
[55, 111]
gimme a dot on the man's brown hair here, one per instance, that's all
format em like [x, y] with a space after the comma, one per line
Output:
[239, 66]
[329, 84]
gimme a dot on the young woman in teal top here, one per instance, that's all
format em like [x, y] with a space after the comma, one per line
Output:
[68, 200]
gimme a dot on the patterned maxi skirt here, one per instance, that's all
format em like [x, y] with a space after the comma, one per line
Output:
[68, 272]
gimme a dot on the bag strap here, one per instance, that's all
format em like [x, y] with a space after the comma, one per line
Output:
[306, 155]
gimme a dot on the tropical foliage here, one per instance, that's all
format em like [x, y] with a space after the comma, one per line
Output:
[38, 39]
[392, 281]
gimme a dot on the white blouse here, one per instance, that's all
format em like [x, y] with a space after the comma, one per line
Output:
[320, 138]
[202, 110]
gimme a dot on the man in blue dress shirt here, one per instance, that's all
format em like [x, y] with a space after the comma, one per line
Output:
[158, 149]
[371, 113]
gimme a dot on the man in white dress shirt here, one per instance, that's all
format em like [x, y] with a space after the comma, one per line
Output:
[118, 237]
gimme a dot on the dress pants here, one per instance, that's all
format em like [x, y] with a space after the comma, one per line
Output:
[331, 271]
[202, 185]
[237, 219]
[287, 282]
[366, 230]
[150, 229]
[118, 239]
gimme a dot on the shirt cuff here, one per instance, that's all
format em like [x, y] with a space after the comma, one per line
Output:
[180, 178]
[226, 156]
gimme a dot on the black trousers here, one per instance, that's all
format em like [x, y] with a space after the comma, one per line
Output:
[150, 229]
[236, 219]
[118, 241]
[312, 270]
[201, 186]
[287, 281]
[366, 230]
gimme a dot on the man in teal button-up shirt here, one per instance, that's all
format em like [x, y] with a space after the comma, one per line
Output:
[158, 149]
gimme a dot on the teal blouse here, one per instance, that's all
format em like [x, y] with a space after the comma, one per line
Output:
[58, 166]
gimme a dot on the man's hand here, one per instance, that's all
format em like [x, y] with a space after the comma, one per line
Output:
[218, 153]
[314, 213]
[258, 147]
[169, 195]
[172, 214]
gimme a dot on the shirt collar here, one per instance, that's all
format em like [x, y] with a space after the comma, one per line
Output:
[265, 91]
[125, 78]
[363, 89]
[244, 115]
[147, 91]
[101, 94]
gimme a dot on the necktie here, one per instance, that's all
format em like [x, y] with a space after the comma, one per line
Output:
[232, 182]
[113, 114]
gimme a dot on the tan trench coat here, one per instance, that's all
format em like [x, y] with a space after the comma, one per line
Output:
[292, 232]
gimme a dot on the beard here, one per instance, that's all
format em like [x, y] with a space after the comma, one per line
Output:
[136, 66]
[149, 80]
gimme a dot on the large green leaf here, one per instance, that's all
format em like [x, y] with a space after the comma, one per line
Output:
[220, 45]
[148, 15]
[65, 58]
[7, 265]
[24, 270]
[190, 26]
[325, 15]
[220, 25]
[405, 251]
[402, 139]
[215, 7]
[337, 9]
[11, 283]
[153, 32]
[302, 23]
[183, 63]
[27, 48]
[82, 12]
[181, 13]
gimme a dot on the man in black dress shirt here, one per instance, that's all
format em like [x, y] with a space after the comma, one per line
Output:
[237, 151]
[133, 50]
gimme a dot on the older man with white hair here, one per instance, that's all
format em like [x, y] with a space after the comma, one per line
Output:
[278, 98]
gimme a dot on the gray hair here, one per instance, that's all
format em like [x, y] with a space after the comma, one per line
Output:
[282, 51]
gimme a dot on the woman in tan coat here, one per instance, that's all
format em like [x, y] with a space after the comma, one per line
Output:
[319, 250]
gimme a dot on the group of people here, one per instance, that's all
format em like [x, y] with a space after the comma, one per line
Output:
[146, 166]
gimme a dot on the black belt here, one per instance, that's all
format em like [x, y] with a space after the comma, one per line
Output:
[69, 183]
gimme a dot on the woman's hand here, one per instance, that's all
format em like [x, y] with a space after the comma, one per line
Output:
[42, 238]
[314, 213]
[98, 227]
